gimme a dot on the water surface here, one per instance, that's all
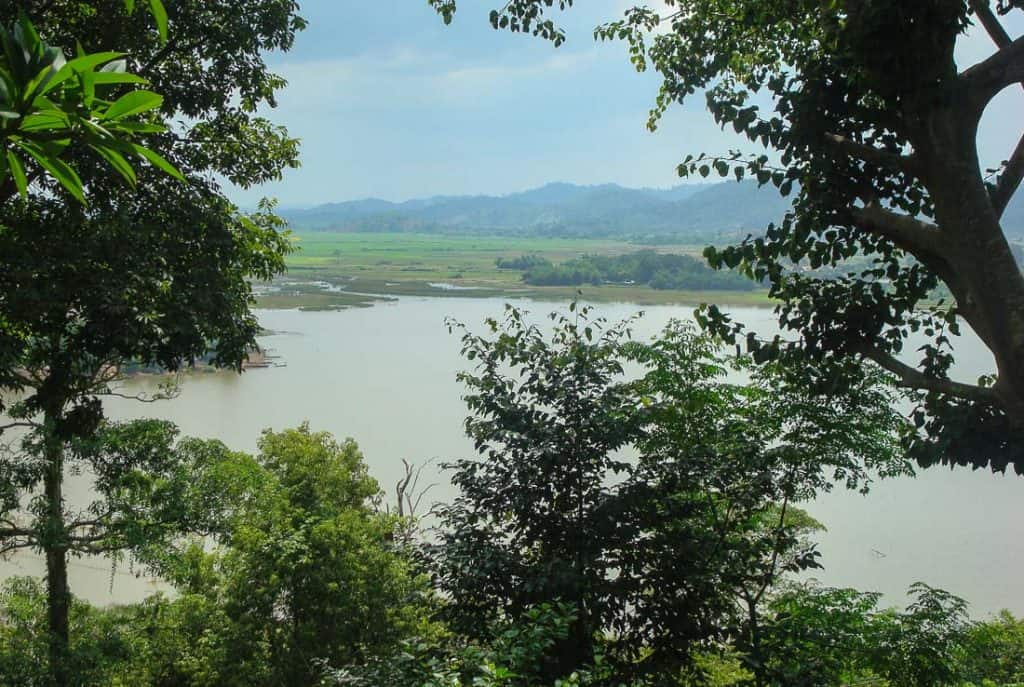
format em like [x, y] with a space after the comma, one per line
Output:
[386, 377]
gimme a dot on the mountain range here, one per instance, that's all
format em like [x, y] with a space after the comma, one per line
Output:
[685, 212]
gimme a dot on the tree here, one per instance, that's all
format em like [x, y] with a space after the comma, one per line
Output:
[868, 118]
[149, 491]
[713, 497]
[309, 579]
[533, 521]
[923, 646]
[660, 556]
[159, 273]
[816, 637]
[298, 576]
[995, 650]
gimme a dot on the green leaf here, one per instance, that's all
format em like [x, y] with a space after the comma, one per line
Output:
[18, 173]
[106, 78]
[42, 80]
[88, 81]
[139, 127]
[132, 104]
[7, 87]
[117, 161]
[59, 169]
[47, 120]
[91, 61]
[62, 75]
[157, 161]
[160, 15]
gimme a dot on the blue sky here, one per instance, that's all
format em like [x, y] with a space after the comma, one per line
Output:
[390, 103]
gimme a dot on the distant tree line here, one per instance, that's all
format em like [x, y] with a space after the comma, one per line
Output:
[665, 271]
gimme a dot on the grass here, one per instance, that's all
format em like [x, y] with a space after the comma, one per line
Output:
[415, 264]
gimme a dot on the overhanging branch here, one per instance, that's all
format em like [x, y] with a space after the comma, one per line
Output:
[918, 238]
[992, 75]
[912, 378]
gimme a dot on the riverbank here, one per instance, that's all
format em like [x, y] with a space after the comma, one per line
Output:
[335, 271]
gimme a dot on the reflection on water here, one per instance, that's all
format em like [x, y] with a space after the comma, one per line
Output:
[386, 376]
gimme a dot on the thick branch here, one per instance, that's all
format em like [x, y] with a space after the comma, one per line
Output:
[912, 378]
[873, 155]
[920, 239]
[991, 23]
[992, 75]
[1009, 180]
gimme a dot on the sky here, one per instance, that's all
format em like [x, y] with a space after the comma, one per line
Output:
[390, 103]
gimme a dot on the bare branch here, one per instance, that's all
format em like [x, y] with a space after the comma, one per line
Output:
[1009, 180]
[12, 546]
[991, 23]
[12, 425]
[140, 397]
[912, 378]
[873, 155]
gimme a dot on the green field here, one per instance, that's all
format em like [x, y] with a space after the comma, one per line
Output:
[408, 264]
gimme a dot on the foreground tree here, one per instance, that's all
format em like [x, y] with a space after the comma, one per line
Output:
[868, 117]
[711, 521]
[149, 492]
[158, 270]
[660, 556]
[535, 517]
[308, 579]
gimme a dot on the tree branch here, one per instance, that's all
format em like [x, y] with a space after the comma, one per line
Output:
[12, 425]
[873, 155]
[8, 547]
[1009, 180]
[992, 75]
[991, 23]
[912, 378]
[918, 238]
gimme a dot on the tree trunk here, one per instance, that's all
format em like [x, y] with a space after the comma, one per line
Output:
[58, 596]
[990, 292]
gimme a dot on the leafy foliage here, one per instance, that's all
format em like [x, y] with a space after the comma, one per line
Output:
[649, 268]
[150, 490]
[656, 555]
[534, 520]
[923, 646]
[48, 103]
[310, 579]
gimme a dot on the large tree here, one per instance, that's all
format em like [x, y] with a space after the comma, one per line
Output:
[660, 554]
[156, 271]
[868, 118]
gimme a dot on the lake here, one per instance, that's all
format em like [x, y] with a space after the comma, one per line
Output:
[385, 376]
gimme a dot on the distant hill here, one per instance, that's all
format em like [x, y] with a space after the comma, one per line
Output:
[699, 212]
[560, 209]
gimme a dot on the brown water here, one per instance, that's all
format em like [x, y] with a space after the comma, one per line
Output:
[386, 376]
